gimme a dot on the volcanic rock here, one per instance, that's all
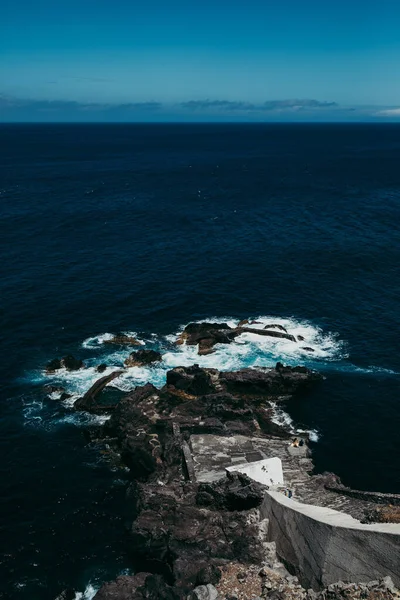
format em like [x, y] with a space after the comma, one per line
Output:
[142, 357]
[269, 382]
[193, 380]
[68, 362]
[235, 492]
[101, 368]
[123, 340]
[276, 326]
[88, 402]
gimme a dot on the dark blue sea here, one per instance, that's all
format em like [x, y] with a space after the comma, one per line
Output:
[144, 228]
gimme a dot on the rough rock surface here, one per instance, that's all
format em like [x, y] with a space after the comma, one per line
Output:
[88, 402]
[207, 335]
[68, 362]
[123, 339]
[142, 357]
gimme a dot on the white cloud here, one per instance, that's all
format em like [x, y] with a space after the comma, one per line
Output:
[389, 112]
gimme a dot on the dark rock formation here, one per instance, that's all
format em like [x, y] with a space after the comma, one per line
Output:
[235, 492]
[193, 380]
[276, 326]
[101, 368]
[280, 381]
[206, 335]
[142, 357]
[123, 339]
[266, 332]
[68, 362]
[139, 587]
[308, 348]
[88, 402]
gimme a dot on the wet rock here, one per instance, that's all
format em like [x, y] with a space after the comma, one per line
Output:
[308, 348]
[300, 338]
[276, 326]
[53, 366]
[71, 363]
[68, 362]
[123, 339]
[89, 402]
[236, 492]
[142, 357]
[101, 368]
[266, 332]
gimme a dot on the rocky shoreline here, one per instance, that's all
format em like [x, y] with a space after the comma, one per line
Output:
[197, 538]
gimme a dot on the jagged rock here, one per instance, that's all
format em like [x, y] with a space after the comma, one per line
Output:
[193, 380]
[300, 338]
[203, 592]
[236, 492]
[280, 381]
[71, 363]
[173, 530]
[266, 332]
[276, 326]
[88, 402]
[308, 348]
[139, 587]
[208, 574]
[123, 588]
[127, 418]
[101, 368]
[142, 357]
[53, 366]
[68, 362]
[123, 339]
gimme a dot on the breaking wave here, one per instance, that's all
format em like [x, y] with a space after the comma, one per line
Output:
[314, 348]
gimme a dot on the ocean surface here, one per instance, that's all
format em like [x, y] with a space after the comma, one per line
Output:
[144, 228]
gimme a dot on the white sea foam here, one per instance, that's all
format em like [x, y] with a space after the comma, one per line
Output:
[248, 350]
[98, 340]
[88, 594]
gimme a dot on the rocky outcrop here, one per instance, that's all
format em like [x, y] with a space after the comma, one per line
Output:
[207, 335]
[235, 492]
[142, 358]
[89, 402]
[139, 587]
[123, 339]
[280, 381]
[68, 362]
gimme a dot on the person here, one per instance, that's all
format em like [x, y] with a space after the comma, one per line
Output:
[295, 443]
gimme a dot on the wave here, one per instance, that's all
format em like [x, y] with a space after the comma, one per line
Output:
[248, 350]
[88, 594]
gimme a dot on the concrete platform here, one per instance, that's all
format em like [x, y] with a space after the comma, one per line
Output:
[267, 471]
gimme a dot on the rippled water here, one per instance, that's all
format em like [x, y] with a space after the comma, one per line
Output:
[145, 228]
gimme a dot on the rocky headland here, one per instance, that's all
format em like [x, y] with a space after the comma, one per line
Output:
[198, 529]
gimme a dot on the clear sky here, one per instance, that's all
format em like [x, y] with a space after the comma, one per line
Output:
[199, 59]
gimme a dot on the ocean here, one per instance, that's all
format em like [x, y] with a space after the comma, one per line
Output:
[145, 228]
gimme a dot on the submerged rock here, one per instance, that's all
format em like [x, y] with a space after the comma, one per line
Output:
[142, 357]
[123, 340]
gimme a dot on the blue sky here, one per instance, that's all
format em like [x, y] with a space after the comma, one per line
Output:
[199, 60]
